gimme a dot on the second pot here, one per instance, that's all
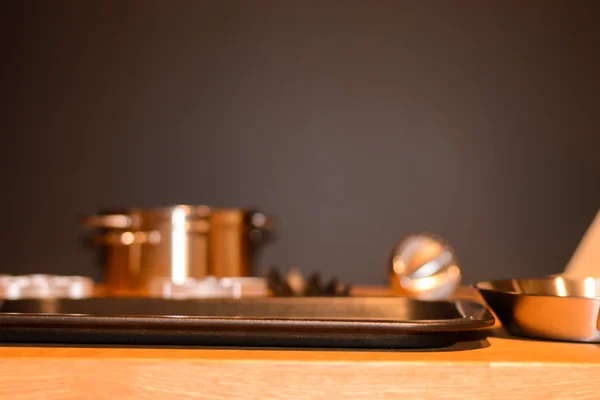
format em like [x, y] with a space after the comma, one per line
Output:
[178, 242]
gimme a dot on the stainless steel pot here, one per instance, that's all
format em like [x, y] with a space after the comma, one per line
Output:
[178, 242]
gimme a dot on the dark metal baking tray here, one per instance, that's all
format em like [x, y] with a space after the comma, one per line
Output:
[366, 322]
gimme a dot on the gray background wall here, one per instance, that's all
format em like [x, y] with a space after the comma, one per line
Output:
[354, 122]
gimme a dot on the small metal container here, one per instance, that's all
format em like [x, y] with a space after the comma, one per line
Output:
[556, 307]
[178, 243]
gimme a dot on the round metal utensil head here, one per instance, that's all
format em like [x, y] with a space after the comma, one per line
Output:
[424, 266]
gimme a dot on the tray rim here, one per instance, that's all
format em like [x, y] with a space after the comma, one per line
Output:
[475, 315]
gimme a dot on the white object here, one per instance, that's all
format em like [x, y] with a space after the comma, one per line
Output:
[585, 262]
[209, 287]
[246, 287]
[39, 286]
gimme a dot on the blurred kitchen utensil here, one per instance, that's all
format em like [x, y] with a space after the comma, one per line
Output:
[423, 266]
[39, 286]
[294, 284]
[556, 307]
[178, 243]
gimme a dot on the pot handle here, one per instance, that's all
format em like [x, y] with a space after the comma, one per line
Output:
[119, 221]
[262, 221]
[261, 232]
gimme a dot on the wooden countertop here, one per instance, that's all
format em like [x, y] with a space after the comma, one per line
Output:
[495, 367]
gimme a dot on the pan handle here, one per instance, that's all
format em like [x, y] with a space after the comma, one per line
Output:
[119, 221]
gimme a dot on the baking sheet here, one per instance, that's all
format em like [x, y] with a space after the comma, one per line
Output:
[377, 322]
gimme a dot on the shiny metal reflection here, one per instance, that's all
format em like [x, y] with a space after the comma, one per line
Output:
[424, 266]
[557, 286]
[179, 246]
[560, 287]
[558, 308]
[177, 242]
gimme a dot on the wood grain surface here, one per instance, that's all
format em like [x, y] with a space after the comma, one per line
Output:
[493, 367]
[496, 369]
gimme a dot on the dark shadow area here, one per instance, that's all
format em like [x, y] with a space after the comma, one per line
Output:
[504, 334]
[458, 346]
[463, 342]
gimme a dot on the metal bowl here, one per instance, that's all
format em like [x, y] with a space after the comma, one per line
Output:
[557, 308]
